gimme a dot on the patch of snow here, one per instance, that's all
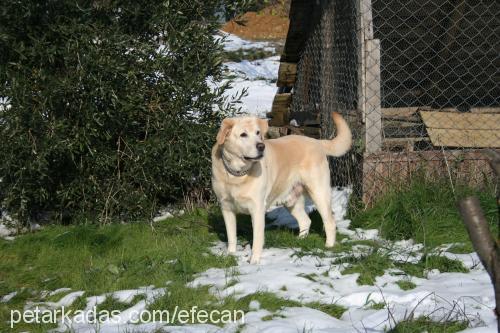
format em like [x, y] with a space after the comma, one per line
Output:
[359, 234]
[5, 232]
[8, 297]
[254, 305]
[263, 69]
[235, 43]
[163, 216]
[58, 291]
[83, 322]
[298, 319]
[65, 301]
[403, 251]
[469, 260]
[314, 279]
[259, 98]
[167, 213]
[257, 77]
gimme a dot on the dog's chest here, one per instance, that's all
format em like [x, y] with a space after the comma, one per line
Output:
[238, 198]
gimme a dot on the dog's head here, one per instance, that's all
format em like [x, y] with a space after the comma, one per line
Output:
[243, 137]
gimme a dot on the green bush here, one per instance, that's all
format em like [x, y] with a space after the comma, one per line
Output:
[111, 109]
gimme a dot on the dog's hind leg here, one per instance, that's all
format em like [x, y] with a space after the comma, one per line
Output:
[319, 191]
[298, 211]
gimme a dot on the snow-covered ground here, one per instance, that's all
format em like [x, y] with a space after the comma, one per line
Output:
[313, 278]
[258, 76]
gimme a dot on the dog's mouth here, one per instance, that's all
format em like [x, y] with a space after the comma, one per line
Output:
[253, 158]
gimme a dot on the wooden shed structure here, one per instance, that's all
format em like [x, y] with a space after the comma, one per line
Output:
[417, 81]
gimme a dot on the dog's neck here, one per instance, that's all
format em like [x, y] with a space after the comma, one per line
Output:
[234, 166]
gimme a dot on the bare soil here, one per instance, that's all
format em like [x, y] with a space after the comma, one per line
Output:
[271, 23]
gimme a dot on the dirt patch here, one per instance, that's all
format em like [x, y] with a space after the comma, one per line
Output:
[270, 23]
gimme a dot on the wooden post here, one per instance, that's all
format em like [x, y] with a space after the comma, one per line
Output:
[327, 81]
[369, 79]
[365, 28]
[494, 159]
[373, 119]
[484, 244]
[480, 235]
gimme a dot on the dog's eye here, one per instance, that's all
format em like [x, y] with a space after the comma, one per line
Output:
[258, 132]
[243, 135]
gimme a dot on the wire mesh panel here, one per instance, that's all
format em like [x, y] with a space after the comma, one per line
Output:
[327, 81]
[418, 82]
[439, 91]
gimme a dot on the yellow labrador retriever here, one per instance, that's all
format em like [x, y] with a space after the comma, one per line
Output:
[250, 174]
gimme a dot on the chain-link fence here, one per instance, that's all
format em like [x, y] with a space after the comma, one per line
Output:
[417, 81]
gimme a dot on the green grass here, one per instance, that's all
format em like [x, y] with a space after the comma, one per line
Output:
[440, 263]
[406, 284]
[374, 264]
[111, 303]
[185, 298]
[425, 325]
[333, 310]
[461, 248]
[426, 212]
[368, 267]
[79, 304]
[103, 259]
[249, 54]
[377, 306]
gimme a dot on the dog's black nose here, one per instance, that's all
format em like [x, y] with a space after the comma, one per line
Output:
[261, 146]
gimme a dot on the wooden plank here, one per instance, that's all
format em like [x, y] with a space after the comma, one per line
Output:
[410, 111]
[278, 119]
[276, 132]
[485, 109]
[399, 112]
[400, 123]
[287, 74]
[373, 122]
[464, 138]
[282, 100]
[365, 28]
[366, 19]
[280, 110]
[303, 16]
[407, 144]
[399, 140]
[464, 121]
[313, 132]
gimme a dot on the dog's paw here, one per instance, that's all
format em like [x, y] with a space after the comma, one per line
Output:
[329, 244]
[231, 248]
[254, 260]
[303, 234]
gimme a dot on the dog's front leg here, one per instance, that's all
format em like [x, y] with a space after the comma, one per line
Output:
[230, 222]
[258, 225]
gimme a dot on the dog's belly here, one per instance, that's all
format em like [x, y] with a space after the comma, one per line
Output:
[287, 198]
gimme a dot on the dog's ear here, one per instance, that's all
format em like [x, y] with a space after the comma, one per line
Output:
[264, 127]
[225, 129]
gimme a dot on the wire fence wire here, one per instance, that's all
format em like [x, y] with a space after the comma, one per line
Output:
[418, 82]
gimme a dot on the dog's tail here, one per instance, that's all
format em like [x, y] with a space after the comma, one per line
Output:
[342, 142]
